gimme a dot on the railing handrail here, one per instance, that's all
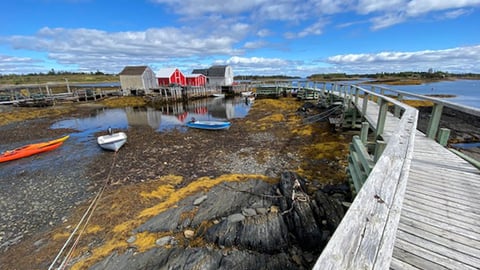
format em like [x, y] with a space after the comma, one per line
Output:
[365, 237]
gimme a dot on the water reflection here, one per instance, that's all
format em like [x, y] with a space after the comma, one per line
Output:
[161, 118]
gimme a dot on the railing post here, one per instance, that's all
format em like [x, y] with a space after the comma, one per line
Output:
[379, 147]
[382, 92]
[364, 132]
[365, 104]
[397, 109]
[354, 111]
[443, 136]
[382, 115]
[434, 120]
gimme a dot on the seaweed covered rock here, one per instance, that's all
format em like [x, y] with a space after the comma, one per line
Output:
[240, 225]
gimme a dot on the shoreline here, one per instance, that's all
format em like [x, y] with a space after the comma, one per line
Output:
[152, 166]
[269, 141]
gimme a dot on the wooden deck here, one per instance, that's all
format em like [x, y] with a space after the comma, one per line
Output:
[440, 220]
[433, 221]
[439, 224]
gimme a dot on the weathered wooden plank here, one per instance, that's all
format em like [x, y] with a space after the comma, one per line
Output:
[442, 236]
[457, 180]
[401, 265]
[456, 196]
[455, 184]
[420, 257]
[432, 203]
[444, 166]
[436, 199]
[462, 231]
[403, 252]
[442, 255]
[459, 192]
[443, 216]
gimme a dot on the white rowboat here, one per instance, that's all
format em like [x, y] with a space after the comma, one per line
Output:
[112, 142]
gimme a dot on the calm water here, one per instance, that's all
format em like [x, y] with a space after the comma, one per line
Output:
[164, 118]
[467, 91]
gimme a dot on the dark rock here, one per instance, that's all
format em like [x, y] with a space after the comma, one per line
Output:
[332, 210]
[289, 236]
[265, 233]
[235, 218]
[229, 198]
[298, 212]
[195, 258]
[248, 212]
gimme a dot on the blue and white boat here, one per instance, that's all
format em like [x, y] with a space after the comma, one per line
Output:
[211, 125]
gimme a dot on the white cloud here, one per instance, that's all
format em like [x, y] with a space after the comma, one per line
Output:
[258, 61]
[455, 13]
[85, 47]
[201, 7]
[264, 32]
[418, 7]
[459, 59]
[387, 20]
[369, 6]
[254, 44]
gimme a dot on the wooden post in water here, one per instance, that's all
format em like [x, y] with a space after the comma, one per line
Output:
[434, 120]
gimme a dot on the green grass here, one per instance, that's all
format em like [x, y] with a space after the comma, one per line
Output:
[44, 78]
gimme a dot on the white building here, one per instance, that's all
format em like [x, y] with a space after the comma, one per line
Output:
[135, 78]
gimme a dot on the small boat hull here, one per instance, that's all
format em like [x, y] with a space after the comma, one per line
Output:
[112, 142]
[209, 125]
[32, 149]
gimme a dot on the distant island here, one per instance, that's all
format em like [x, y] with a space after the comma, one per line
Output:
[399, 78]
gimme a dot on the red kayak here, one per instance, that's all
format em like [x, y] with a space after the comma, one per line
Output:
[31, 149]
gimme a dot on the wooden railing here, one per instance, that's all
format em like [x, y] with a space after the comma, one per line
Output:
[365, 237]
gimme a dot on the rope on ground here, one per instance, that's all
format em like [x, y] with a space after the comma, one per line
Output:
[322, 115]
[89, 212]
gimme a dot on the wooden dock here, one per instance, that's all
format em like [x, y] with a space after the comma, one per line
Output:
[419, 208]
[440, 221]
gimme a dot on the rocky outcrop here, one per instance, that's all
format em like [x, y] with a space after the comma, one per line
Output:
[251, 225]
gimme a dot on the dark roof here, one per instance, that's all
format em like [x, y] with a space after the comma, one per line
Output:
[203, 71]
[133, 70]
[213, 71]
[217, 71]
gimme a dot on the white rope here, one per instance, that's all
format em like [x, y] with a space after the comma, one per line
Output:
[89, 212]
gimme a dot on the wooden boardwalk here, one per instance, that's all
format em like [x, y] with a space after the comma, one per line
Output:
[440, 219]
[439, 224]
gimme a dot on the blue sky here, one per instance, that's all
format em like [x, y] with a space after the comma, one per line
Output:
[255, 37]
